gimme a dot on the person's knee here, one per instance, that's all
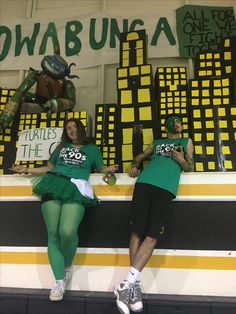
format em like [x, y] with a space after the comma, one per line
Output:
[151, 242]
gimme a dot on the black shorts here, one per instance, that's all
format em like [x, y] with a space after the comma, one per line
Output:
[151, 207]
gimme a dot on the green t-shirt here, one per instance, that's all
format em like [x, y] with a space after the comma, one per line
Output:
[76, 163]
[163, 171]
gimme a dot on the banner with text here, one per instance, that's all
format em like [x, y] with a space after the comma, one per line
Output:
[37, 144]
[202, 28]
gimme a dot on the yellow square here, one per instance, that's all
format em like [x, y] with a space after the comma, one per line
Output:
[195, 102]
[210, 136]
[195, 93]
[111, 118]
[198, 149]
[147, 136]
[100, 109]
[217, 83]
[145, 80]
[197, 137]
[205, 83]
[209, 64]
[205, 93]
[224, 136]
[134, 71]
[221, 112]
[218, 73]
[125, 45]
[127, 135]
[209, 55]
[223, 124]
[202, 64]
[227, 55]
[146, 69]
[226, 101]
[227, 42]
[125, 62]
[228, 164]
[126, 97]
[197, 124]
[233, 111]
[225, 82]
[210, 150]
[234, 124]
[127, 152]
[218, 64]
[208, 113]
[199, 166]
[122, 73]
[99, 127]
[201, 56]
[194, 83]
[145, 113]
[206, 102]
[125, 54]
[196, 113]
[144, 95]
[3, 99]
[217, 92]
[139, 44]
[99, 119]
[225, 150]
[226, 91]
[216, 101]
[99, 135]
[209, 124]
[111, 142]
[211, 165]
[228, 69]
[112, 109]
[140, 60]
[160, 70]
[122, 84]
[162, 83]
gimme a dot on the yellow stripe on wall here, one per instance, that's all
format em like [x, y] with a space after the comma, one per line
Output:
[127, 190]
[122, 260]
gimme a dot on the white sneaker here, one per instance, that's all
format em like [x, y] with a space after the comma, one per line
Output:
[136, 304]
[57, 292]
[122, 292]
[68, 272]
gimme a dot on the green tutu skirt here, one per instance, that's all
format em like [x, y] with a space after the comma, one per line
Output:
[60, 188]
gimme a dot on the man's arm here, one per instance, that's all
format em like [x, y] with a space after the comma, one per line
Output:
[134, 171]
[186, 161]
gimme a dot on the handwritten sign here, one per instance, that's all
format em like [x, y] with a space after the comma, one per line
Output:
[37, 144]
[202, 28]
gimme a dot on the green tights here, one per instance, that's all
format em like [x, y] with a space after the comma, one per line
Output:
[62, 222]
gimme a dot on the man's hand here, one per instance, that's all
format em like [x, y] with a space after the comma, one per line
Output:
[178, 155]
[134, 172]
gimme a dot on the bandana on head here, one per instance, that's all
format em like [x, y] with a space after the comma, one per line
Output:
[170, 123]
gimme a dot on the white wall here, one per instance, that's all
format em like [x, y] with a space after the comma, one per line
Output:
[97, 84]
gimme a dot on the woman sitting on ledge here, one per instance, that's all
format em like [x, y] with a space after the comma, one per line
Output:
[65, 192]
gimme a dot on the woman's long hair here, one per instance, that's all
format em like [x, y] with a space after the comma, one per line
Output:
[81, 132]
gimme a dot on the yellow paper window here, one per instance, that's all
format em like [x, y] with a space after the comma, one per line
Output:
[134, 71]
[145, 113]
[210, 150]
[127, 114]
[226, 150]
[122, 84]
[210, 136]
[198, 149]
[224, 136]
[199, 166]
[127, 152]
[197, 137]
[144, 95]
[221, 112]
[208, 113]
[223, 124]
[211, 165]
[196, 113]
[209, 124]
[228, 164]
[127, 135]
[126, 97]
[197, 125]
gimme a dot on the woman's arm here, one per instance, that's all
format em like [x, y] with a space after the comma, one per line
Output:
[38, 171]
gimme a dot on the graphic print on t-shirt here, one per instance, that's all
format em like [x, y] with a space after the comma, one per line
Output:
[165, 149]
[72, 156]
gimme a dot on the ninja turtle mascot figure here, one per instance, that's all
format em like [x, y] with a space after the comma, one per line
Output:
[53, 92]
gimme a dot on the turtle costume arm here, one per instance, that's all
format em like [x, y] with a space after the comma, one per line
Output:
[12, 106]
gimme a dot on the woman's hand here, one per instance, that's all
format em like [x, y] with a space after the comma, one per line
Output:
[109, 176]
[19, 168]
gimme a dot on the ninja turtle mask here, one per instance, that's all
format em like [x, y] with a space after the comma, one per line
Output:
[170, 124]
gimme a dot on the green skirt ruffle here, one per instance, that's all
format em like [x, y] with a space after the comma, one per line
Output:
[60, 188]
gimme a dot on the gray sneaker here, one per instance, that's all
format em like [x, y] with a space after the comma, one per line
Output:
[58, 290]
[123, 292]
[135, 303]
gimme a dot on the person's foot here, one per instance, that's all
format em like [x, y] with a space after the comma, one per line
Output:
[122, 292]
[57, 292]
[68, 272]
[135, 303]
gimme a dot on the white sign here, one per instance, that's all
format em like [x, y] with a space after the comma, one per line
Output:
[37, 144]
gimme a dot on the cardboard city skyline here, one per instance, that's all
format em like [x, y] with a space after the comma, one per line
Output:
[206, 104]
